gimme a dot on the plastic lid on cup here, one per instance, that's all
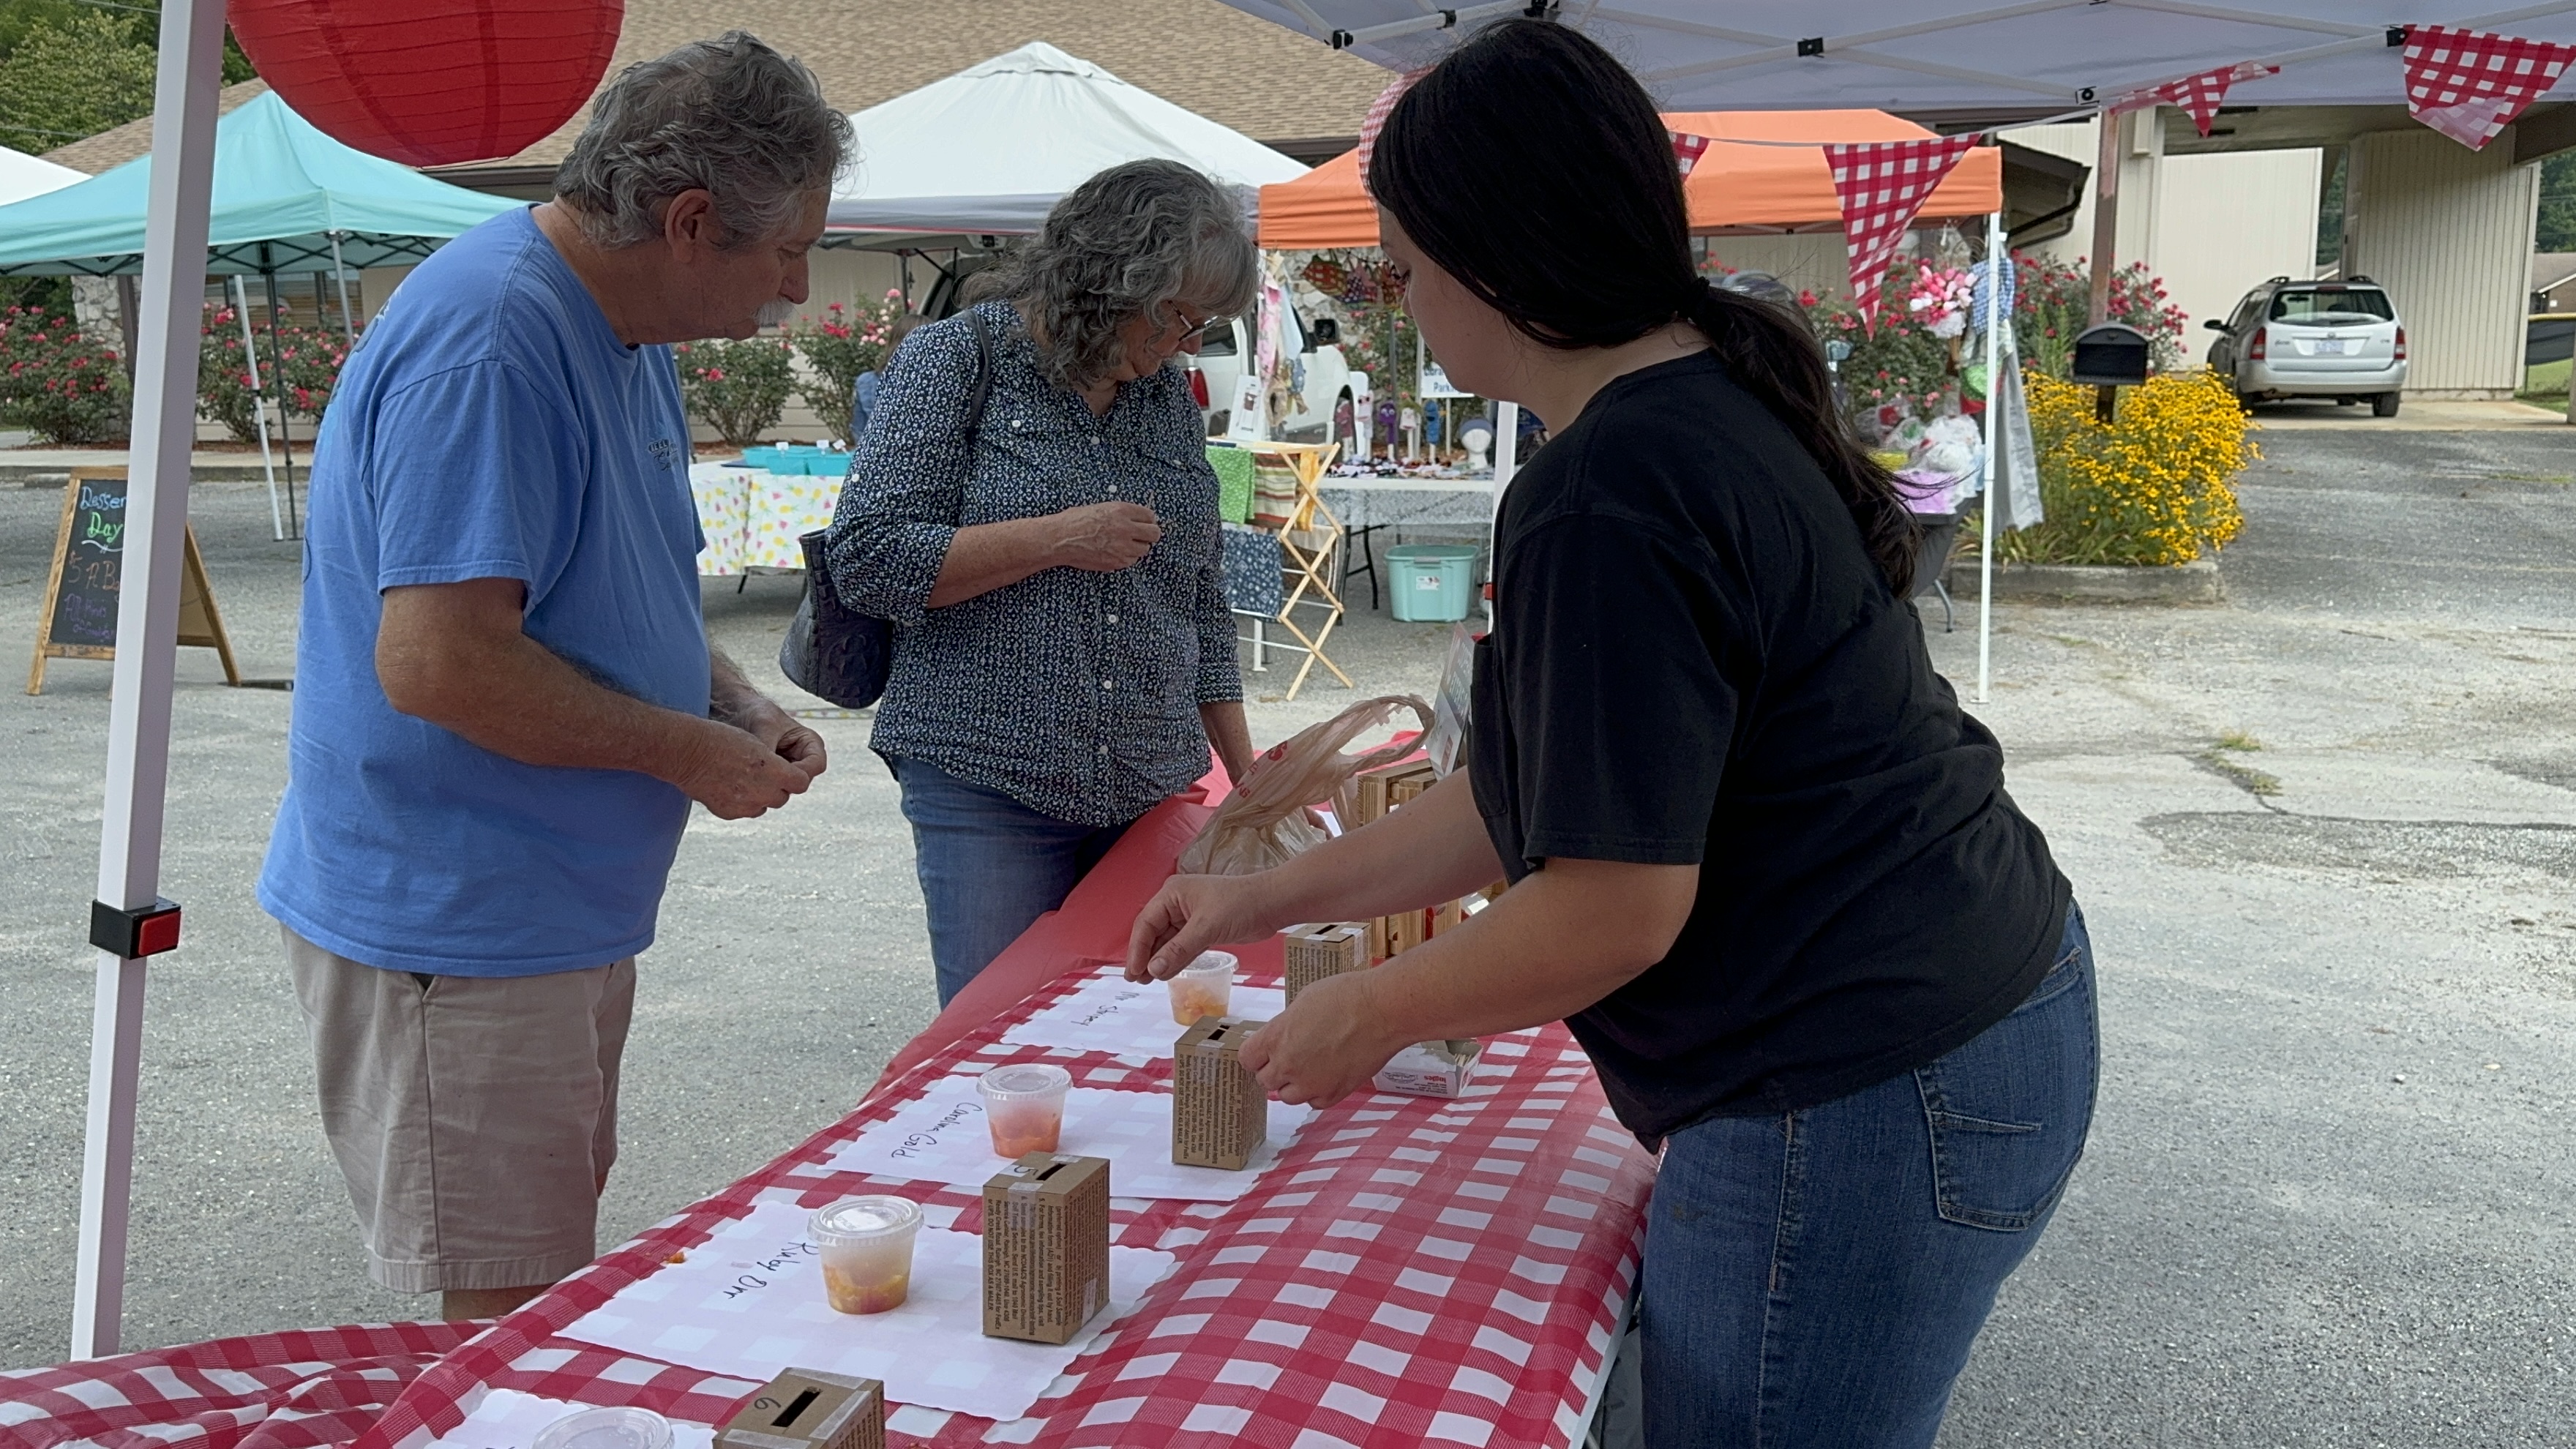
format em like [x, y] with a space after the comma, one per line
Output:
[1211, 963]
[860, 1220]
[626, 1428]
[1021, 1080]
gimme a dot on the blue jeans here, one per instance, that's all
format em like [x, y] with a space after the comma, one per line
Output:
[1816, 1279]
[989, 866]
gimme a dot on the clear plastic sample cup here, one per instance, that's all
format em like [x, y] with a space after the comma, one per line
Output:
[866, 1247]
[1024, 1106]
[606, 1429]
[1205, 987]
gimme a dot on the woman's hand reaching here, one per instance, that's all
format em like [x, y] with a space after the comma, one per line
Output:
[1192, 913]
[1325, 1047]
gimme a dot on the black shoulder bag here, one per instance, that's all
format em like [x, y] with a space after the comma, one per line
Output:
[832, 650]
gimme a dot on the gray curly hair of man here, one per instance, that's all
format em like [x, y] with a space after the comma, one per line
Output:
[728, 116]
[1137, 240]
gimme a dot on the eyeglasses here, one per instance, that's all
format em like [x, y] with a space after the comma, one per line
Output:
[1216, 323]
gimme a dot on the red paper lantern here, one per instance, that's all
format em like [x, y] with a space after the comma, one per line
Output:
[431, 82]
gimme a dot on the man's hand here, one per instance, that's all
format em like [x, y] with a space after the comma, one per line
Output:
[737, 775]
[797, 744]
[1103, 538]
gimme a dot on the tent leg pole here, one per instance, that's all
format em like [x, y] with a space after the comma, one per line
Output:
[259, 406]
[340, 279]
[189, 71]
[277, 375]
[1996, 262]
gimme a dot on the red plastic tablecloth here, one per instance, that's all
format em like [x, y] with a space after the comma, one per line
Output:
[1393, 1281]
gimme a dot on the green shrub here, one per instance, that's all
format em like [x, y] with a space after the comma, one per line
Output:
[65, 387]
[738, 388]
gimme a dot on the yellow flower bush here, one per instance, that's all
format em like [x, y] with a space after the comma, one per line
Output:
[2154, 486]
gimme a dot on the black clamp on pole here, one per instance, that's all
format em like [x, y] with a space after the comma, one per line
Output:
[134, 934]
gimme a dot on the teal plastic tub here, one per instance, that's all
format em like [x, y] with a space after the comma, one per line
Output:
[1431, 583]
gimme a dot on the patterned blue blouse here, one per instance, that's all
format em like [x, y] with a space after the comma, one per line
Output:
[1075, 693]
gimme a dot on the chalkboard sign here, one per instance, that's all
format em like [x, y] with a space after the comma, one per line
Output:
[79, 612]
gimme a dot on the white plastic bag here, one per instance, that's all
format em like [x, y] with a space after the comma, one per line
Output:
[1263, 823]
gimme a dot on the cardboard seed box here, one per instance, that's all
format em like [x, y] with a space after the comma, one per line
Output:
[1219, 1115]
[1326, 949]
[1046, 1247]
[809, 1409]
[1431, 1069]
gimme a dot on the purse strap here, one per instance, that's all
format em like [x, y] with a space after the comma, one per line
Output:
[983, 381]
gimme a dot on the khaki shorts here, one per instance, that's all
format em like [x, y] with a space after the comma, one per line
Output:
[473, 1117]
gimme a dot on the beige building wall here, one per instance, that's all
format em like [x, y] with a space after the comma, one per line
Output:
[2213, 227]
[1814, 262]
[2448, 231]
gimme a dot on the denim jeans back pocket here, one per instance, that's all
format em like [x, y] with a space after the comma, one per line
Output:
[2008, 1112]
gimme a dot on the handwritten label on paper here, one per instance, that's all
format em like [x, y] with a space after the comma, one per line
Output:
[775, 1266]
[922, 1139]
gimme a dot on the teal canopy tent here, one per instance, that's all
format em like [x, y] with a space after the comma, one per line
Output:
[287, 199]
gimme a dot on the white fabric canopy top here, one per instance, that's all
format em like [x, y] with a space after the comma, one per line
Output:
[22, 176]
[991, 148]
[1925, 57]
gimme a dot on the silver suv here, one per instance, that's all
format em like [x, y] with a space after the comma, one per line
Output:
[2337, 339]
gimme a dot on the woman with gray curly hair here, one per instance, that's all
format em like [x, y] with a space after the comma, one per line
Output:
[1032, 507]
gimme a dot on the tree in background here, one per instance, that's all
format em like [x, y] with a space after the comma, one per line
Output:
[2557, 204]
[70, 78]
[70, 70]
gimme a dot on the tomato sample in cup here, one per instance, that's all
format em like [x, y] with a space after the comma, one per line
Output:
[866, 1247]
[1024, 1106]
[1205, 987]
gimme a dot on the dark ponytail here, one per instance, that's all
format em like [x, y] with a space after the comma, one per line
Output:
[1531, 166]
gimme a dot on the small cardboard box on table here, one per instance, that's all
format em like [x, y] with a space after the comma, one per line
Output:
[1046, 1247]
[1324, 949]
[1219, 1115]
[809, 1409]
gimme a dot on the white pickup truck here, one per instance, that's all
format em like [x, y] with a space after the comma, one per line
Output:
[1323, 409]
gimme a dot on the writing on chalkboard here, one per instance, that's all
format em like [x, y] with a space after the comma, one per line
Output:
[79, 616]
[85, 597]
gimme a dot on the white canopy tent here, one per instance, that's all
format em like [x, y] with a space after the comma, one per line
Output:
[1979, 62]
[1982, 62]
[22, 176]
[988, 150]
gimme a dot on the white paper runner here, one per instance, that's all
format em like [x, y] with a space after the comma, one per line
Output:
[749, 1302]
[508, 1419]
[941, 1137]
[1108, 1014]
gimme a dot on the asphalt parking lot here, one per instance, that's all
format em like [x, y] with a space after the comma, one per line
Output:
[2322, 833]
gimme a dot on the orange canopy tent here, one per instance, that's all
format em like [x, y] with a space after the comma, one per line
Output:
[1766, 188]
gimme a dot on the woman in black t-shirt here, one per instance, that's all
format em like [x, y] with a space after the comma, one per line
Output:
[1761, 864]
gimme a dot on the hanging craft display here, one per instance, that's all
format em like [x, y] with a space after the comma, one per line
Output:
[431, 82]
[2469, 85]
[2200, 94]
[1882, 184]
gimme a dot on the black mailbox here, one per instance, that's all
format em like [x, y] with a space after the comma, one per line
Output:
[2111, 355]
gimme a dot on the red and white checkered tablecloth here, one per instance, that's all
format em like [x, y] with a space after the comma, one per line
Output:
[1414, 1271]
[297, 1390]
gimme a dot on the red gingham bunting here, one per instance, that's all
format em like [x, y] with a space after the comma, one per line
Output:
[1687, 149]
[1882, 185]
[2200, 94]
[1375, 120]
[2469, 85]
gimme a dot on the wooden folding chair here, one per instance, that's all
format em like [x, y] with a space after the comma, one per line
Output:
[1309, 544]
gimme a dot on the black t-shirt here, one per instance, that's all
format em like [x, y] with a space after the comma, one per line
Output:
[1694, 661]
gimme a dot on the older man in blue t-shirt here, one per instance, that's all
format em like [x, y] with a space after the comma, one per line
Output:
[506, 699]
